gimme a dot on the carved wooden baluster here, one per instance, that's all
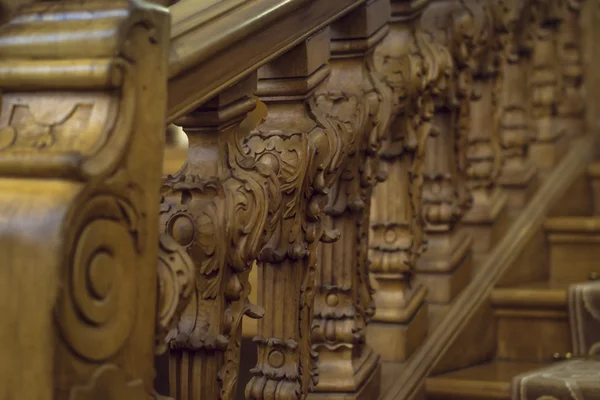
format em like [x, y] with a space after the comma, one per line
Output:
[518, 175]
[306, 149]
[485, 221]
[81, 130]
[445, 267]
[412, 65]
[343, 305]
[571, 106]
[221, 206]
[545, 82]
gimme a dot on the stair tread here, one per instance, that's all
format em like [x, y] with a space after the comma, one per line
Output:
[493, 371]
[537, 285]
[489, 380]
[573, 224]
[541, 294]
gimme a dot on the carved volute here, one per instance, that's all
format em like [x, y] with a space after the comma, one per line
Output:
[358, 96]
[222, 207]
[80, 136]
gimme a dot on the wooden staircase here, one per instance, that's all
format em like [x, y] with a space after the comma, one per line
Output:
[530, 322]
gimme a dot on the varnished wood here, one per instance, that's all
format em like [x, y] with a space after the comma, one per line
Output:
[388, 180]
[81, 244]
[349, 368]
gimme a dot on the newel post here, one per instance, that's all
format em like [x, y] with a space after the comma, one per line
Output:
[81, 130]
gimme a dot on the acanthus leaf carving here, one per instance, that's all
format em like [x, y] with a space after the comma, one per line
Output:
[223, 214]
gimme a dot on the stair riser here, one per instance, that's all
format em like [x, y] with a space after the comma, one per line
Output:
[573, 257]
[532, 335]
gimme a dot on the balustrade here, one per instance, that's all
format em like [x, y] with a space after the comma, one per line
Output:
[401, 138]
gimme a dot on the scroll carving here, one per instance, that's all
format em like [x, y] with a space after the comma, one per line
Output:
[305, 140]
[415, 68]
[344, 304]
[80, 149]
[444, 268]
[221, 209]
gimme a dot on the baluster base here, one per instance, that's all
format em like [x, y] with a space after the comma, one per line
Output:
[519, 184]
[345, 375]
[550, 145]
[396, 341]
[400, 323]
[572, 126]
[486, 221]
[445, 268]
[184, 365]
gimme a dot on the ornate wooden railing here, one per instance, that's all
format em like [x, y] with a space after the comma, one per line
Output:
[400, 140]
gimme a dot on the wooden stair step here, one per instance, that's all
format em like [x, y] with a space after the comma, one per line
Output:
[480, 382]
[574, 247]
[533, 295]
[532, 321]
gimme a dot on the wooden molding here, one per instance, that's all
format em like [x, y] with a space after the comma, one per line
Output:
[231, 30]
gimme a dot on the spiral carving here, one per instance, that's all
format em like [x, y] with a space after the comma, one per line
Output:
[96, 308]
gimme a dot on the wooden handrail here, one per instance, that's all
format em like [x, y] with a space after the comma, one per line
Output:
[213, 47]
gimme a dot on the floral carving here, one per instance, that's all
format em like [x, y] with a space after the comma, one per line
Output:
[305, 147]
[416, 76]
[222, 220]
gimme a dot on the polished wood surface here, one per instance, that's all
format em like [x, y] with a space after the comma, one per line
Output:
[372, 198]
